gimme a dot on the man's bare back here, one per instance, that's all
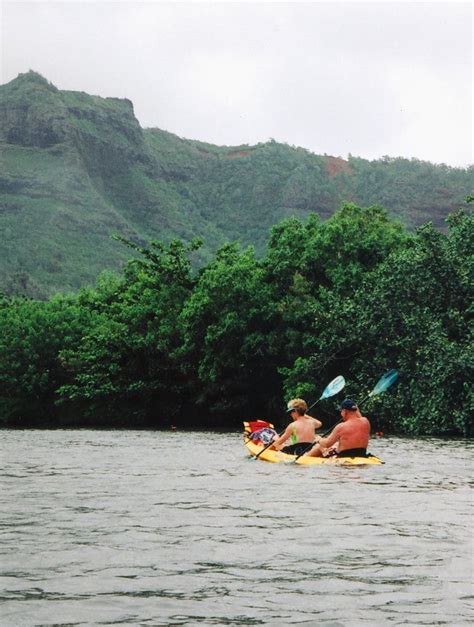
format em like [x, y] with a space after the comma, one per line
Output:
[352, 434]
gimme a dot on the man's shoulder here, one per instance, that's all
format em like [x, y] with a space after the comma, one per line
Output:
[363, 422]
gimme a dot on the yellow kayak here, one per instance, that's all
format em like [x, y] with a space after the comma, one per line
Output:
[278, 457]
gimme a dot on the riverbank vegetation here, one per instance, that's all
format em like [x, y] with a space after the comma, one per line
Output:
[162, 345]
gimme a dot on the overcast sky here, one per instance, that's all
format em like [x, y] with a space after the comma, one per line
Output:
[369, 79]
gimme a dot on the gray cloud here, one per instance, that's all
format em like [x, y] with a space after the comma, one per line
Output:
[370, 79]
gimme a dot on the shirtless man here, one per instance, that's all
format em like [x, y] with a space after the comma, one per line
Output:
[301, 430]
[351, 436]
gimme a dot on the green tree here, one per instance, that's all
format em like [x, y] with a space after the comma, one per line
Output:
[32, 334]
[125, 371]
[413, 311]
[315, 269]
[226, 324]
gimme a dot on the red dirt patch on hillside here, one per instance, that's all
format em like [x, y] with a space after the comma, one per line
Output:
[336, 165]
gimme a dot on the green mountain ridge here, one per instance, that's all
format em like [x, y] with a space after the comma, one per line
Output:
[76, 169]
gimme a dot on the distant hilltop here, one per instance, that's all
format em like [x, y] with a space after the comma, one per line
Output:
[78, 168]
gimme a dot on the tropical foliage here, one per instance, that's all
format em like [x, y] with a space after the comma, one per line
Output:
[165, 345]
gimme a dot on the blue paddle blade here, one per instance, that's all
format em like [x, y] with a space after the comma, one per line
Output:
[385, 382]
[334, 387]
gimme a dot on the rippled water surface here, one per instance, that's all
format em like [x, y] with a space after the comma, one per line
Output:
[155, 528]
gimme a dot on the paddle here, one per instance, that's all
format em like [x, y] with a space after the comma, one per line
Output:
[382, 384]
[331, 389]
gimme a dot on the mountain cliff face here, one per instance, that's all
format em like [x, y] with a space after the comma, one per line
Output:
[76, 169]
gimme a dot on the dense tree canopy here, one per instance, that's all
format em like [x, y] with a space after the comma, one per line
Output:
[163, 345]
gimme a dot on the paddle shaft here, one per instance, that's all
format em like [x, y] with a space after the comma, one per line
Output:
[364, 400]
[269, 444]
[314, 404]
[323, 436]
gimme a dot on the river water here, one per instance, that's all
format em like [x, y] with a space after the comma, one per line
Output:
[149, 528]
